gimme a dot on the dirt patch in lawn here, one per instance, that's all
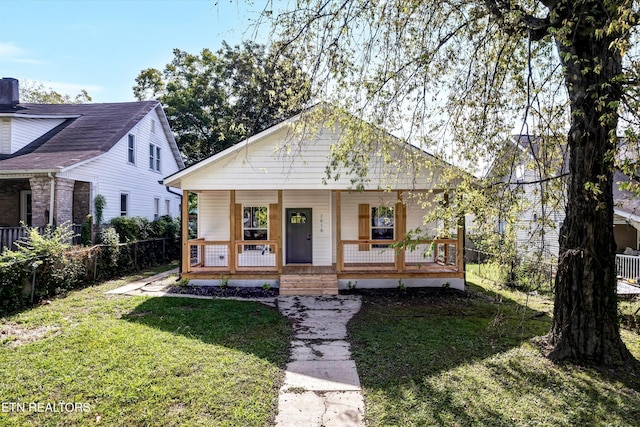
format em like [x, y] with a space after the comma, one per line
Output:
[13, 335]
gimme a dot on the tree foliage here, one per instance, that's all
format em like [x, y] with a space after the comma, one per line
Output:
[37, 93]
[214, 100]
[454, 77]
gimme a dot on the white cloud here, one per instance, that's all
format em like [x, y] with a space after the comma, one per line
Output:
[11, 52]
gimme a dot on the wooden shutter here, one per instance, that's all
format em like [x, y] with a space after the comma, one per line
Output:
[239, 225]
[274, 223]
[364, 225]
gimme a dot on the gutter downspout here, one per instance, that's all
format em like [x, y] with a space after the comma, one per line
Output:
[52, 197]
[161, 182]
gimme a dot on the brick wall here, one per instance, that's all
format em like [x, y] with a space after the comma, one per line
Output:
[64, 201]
[81, 201]
[40, 195]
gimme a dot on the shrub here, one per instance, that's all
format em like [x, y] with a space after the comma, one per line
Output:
[56, 272]
[85, 231]
[109, 253]
[99, 202]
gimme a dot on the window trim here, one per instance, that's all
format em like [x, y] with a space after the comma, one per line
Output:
[125, 212]
[131, 149]
[245, 229]
[156, 208]
[154, 157]
[373, 227]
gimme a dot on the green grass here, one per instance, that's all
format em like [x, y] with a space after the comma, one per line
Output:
[144, 361]
[476, 361]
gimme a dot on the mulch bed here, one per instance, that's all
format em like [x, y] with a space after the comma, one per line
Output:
[231, 291]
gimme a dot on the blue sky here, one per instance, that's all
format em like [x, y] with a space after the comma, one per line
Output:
[101, 46]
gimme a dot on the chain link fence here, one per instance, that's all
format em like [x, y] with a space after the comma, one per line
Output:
[521, 272]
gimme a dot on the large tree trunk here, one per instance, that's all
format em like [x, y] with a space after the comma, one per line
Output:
[585, 323]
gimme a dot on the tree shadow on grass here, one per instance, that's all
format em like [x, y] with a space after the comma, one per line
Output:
[246, 326]
[453, 358]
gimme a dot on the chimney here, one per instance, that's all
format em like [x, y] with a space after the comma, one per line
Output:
[9, 96]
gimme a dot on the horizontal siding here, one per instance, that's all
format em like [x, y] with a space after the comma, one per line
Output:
[278, 161]
[24, 131]
[256, 198]
[111, 174]
[213, 215]
[418, 205]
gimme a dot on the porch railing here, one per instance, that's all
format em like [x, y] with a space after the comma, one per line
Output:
[376, 255]
[628, 266]
[10, 235]
[216, 255]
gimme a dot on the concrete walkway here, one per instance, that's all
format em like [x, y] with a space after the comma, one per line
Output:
[131, 287]
[321, 386]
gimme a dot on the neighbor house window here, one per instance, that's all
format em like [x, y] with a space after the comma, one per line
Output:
[167, 207]
[131, 149]
[153, 126]
[124, 204]
[255, 223]
[156, 208]
[382, 224]
[154, 157]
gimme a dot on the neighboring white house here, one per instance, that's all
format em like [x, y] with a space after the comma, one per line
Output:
[267, 212]
[56, 158]
[527, 171]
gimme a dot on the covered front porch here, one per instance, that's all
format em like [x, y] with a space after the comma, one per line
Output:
[251, 237]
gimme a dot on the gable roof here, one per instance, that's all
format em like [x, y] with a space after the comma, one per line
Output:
[304, 154]
[89, 130]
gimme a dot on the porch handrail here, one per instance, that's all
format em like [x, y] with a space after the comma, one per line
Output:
[399, 264]
[628, 266]
[10, 235]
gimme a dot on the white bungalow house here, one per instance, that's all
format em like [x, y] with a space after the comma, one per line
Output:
[56, 158]
[267, 212]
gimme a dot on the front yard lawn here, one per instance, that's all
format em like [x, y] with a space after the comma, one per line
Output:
[460, 360]
[138, 361]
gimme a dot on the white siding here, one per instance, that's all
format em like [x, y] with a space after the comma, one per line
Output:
[5, 135]
[279, 161]
[25, 131]
[418, 205]
[111, 174]
[213, 215]
[320, 203]
[256, 198]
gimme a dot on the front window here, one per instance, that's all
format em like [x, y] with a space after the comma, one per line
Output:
[382, 224]
[255, 223]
